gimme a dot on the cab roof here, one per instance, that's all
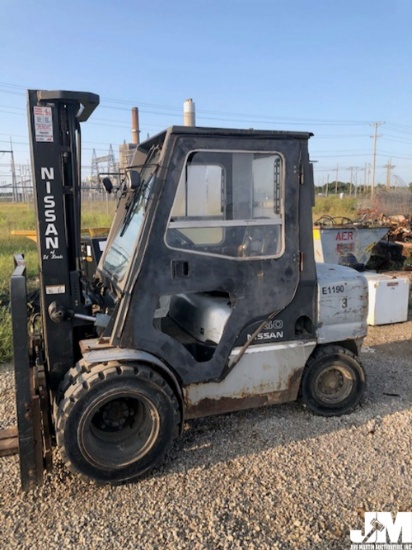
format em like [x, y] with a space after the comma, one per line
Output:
[222, 132]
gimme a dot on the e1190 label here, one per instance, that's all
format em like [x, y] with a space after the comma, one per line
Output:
[333, 289]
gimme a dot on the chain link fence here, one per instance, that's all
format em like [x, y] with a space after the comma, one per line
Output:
[391, 202]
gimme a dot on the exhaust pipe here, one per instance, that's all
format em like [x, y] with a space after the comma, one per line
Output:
[189, 113]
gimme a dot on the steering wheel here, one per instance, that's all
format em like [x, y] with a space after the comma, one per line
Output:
[259, 240]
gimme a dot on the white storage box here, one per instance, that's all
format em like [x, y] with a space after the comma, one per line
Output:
[388, 299]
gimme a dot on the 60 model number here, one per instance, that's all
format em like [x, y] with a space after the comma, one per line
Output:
[338, 289]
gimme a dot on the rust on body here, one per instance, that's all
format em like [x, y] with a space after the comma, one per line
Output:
[259, 396]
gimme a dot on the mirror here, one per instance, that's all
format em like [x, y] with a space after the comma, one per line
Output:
[108, 185]
[134, 180]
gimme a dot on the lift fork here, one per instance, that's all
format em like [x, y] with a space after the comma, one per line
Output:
[31, 438]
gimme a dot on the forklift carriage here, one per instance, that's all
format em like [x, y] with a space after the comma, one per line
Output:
[206, 299]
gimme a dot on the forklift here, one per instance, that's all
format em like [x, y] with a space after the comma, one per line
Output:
[206, 298]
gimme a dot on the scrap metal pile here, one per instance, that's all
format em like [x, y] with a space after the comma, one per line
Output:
[395, 250]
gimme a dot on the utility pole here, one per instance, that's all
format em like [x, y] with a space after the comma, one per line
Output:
[388, 167]
[365, 175]
[356, 181]
[336, 182]
[13, 175]
[94, 175]
[351, 180]
[375, 137]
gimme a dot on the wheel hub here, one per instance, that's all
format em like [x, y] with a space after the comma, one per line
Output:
[331, 381]
[121, 430]
[334, 384]
[115, 414]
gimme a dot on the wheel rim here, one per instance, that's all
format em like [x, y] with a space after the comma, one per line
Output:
[119, 430]
[334, 385]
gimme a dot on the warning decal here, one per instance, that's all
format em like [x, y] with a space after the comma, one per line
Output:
[43, 123]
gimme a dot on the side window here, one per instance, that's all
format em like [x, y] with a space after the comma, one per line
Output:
[204, 191]
[199, 197]
[230, 204]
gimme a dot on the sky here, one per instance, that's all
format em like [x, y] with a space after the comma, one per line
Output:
[331, 67]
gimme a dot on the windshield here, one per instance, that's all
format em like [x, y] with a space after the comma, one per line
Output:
[118, 256]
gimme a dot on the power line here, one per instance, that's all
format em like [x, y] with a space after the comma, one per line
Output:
[204, 114]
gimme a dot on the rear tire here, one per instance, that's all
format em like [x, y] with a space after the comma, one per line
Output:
[115, 422]
[333, 382]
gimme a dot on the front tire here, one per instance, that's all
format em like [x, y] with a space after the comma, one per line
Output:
[333, 382]
[115, 422]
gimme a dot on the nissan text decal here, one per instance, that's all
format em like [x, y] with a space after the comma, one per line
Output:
[51, 235]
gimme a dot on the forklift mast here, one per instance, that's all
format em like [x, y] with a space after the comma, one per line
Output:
[55, 137]
[42, 354]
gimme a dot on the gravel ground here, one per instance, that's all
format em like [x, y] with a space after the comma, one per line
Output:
[276, 478]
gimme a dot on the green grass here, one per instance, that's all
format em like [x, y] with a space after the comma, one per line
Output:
[16, 216]
[22, 217]
[334, 206]
[98, 214]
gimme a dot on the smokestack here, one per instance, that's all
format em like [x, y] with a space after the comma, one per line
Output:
[189, 113]
[135, 126]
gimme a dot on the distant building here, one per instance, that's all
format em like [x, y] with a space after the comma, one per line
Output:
[126, 152]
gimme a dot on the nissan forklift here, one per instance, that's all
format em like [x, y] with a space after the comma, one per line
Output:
[206, 298]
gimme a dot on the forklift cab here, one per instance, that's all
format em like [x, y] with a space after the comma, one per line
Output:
[214, 251]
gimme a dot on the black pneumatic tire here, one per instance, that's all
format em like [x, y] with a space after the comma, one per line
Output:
[333, 382]
[115, 422]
